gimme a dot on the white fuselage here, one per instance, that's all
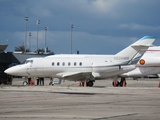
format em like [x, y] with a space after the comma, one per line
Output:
[59, 66]
[151, 65]
[82, 67]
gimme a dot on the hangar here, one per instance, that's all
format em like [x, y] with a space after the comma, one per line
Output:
[8, 59]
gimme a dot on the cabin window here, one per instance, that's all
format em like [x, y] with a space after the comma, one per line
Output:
[80, 64]
[52, 63]
[74, 63]
[63, 63]
[31, 61]
[58, 64]
[69, 63]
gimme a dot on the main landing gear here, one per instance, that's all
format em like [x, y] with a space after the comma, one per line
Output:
[86, 84]
[122, 83]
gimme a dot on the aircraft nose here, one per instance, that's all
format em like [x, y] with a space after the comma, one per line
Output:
[10, 71]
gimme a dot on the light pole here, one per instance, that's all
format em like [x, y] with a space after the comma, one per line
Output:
[45, 28]
[38, 22]
[25, 42]
[7, 41]
[72, 25]
[30, 34]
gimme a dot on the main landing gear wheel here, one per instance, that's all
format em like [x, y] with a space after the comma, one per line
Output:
[90, 84]
[122, 83]
[115, 83]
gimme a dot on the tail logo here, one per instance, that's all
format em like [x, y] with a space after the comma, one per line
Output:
[142, 61]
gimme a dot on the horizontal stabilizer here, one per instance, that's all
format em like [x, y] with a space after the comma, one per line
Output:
[147, 45]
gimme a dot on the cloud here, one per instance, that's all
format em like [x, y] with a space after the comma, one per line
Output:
[104, 6]
[86, 43]
[134, 26]
[97, 23]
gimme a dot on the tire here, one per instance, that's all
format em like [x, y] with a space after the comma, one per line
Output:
[51, 83]
[115, 83]
[90, 83]
[82, 83]
[121, 82]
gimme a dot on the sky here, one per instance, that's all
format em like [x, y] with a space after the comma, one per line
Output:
[99, 26]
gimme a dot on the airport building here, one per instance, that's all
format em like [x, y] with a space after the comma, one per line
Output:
[8, 59]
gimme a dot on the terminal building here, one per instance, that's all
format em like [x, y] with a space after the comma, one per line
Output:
[8, 59]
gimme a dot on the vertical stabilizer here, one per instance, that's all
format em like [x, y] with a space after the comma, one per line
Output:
[137, 49]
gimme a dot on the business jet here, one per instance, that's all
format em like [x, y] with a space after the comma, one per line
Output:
[149, 64]
[88, 68]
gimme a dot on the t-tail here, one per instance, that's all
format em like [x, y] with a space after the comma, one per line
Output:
[135, 51]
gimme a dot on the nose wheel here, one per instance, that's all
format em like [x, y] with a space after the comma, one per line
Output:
[25, 83]
[51, 83]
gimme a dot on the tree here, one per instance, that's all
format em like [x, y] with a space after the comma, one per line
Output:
[21, 48]
[42, 51]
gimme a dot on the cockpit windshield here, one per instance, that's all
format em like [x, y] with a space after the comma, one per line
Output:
[27, 61]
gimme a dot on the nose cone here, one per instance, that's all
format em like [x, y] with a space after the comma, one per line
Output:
[9, 71]
[17, 70]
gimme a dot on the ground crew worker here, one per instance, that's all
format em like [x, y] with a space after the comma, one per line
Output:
[37, 81]
[41, 81]
[29, 80]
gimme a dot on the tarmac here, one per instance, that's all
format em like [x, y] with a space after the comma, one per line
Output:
[139, 100]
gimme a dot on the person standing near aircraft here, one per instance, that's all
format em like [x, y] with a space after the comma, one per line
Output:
[29, 80]
[41, 81]
[37, 80]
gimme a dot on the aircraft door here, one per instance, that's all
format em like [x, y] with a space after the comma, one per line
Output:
[39, 68]
[30, 69]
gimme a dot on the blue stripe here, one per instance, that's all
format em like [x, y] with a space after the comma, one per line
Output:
[148, 37]
[126, 62]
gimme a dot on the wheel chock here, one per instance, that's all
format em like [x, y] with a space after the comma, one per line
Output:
[85, 83]
[124, 83]
[159, 85]
[79, 83]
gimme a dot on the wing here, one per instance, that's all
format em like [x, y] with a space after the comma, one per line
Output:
[77, 76]
[99, 71]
